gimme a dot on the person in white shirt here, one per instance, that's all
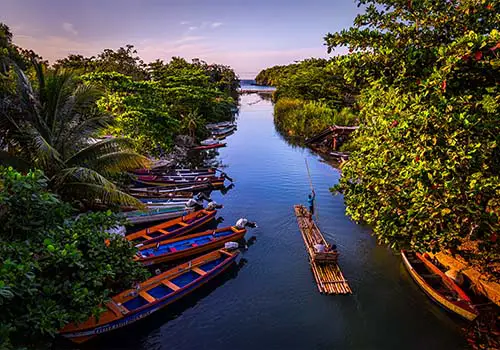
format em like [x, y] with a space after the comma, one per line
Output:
[243, 222]
[319, 247]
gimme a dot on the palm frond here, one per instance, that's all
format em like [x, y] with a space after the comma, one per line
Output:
[99, 149]
[44, 154]
[97, 193]
[78, 135]
[78, 108]
[116, 162]
[80, 174]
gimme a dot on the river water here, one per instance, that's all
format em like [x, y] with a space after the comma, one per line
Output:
[270, 300]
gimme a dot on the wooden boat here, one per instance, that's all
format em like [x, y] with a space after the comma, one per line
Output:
[219, 125]
[156, 195]
[172, 228]
[152, 295]
[156, 214]
[165, 201]
[154, 191]
[220, 131]
[176, 172]
[207, 147]
[153, 180]
[223, 133]
[186, 246]
[437, 285]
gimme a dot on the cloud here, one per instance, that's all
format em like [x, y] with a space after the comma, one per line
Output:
[68, 27]
[183, 23]
[192, 28]
[216, 24]
[189, 38]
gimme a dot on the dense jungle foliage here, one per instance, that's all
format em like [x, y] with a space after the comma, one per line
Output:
[57, 159]
[55, 268]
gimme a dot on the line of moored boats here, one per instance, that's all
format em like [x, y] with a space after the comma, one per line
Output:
[219, 131]
[175, 198]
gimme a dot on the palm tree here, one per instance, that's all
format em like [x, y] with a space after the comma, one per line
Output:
[191, 122]
[51, 125]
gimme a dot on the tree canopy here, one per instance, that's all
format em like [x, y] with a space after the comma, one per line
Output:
[427, 174]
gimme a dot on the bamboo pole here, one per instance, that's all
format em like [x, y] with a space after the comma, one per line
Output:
[312, 189]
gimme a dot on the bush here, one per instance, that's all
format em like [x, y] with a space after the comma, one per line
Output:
[54, 269]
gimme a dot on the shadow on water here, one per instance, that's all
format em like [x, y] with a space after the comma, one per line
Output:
[135, 335]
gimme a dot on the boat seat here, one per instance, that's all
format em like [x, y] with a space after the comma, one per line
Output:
[147, 296]
[118, 309]
[173, 249]
[194, 245]
[170, 285]
[163, 231]
[198, 271]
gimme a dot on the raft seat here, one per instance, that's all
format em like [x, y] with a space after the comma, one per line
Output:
[163, 231]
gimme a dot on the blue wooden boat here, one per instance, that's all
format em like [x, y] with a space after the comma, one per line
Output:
[186, 246]
[152, 295]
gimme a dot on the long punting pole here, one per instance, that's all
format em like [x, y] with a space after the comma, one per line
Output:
[312, 187]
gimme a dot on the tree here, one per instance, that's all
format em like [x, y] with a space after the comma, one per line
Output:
[54, 268]
[124, 61]
[52, 126]
[426, 175]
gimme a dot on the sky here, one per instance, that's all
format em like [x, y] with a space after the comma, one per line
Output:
[247, 35]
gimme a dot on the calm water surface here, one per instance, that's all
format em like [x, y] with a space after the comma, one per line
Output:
[270, 300]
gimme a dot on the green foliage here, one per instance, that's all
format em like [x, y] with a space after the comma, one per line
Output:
[54, 269]
[311, 95]
[303, 119]
[124, 61]
[426, 175]
[50, 125]
[152, 113]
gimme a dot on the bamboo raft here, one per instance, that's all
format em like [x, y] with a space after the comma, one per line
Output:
[326, 271]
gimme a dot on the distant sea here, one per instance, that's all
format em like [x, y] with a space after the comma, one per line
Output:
[247, 84]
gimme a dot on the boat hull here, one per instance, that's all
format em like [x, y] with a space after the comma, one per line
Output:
[152, 217]
[201, 148]
[193, 250]
[186, 224]
[439, 298]
[114, 320]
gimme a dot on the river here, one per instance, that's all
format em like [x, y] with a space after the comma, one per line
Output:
[270, 301]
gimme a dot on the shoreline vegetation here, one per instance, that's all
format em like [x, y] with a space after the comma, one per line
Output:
[69, 134]
[421, 80]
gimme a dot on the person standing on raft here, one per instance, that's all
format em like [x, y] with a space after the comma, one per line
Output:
[310, 202]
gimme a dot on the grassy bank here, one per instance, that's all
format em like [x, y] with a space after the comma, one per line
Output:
[302, 119]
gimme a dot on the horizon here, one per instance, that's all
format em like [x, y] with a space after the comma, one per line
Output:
[245, 36]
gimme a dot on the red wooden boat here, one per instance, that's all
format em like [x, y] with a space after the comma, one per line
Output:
[437, 285]
[154, 180]
[172, 228]
[185, 246]
[205, 147]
